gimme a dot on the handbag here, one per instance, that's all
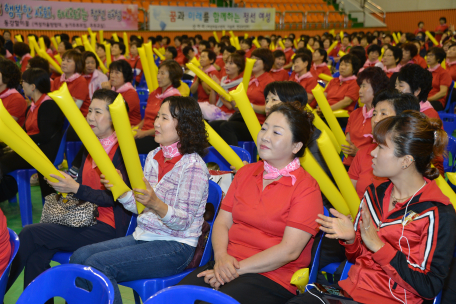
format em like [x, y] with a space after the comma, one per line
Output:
[68, 211]
[199, 250]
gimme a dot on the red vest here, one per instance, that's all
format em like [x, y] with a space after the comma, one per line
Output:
[31, 122]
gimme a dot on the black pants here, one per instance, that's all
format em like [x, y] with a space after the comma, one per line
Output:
[146, 144]
[437, 105]
[71, 134]
[231, 131]
[314, 297]
[248, 288]
[39, 243]
[449, 288]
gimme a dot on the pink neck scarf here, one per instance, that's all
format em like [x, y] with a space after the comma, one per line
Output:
[425, 105]
[434, 68]
[276, 70]
[370, 64]
[8, 93]
[171, 150]
[392, 70]
[25, 56]
[299, 78]
[367, 114]
[210, 69]
[448, 64]
[255, 81]
[342, 79]
[170, 91]
[33, 105]
[125, 87]
[287, 49]
[118, 58]
[88, 75]
[319, 65]
[73, 77]
[273, 173]
[219, 56]
[108, 143]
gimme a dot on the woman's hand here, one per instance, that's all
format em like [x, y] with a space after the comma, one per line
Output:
[338, 227]
[349, 150]
[235, 170]
[148, 197]
[65, 184]
[368, 231]
[215, 78]
[225, 268]
[106, 85]
[108, 186]
[209, 278]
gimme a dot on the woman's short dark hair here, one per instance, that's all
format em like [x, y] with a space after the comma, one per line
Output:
[109, 96]
[67, 44]
[187, 49]
[353, 60]
[238, 60]
[410, 47]
[21, 48]
[64, 37]
[266, 56]
[399, 101]
[247, 41]
[278, 54]
[89, 54]
[190, 124]
[124, 67]
[230, 49]
[11, 74]
[287, 91]
[38, 77]
[417, 78]
[77, 58]
[174, 70]
[47, 41]
[40, 63]
[304, 58]
[375, 76]
[397, 53]
[414, 134]
[360, 53]
[137, 42]
[438, 52]
[121, 46]
[100, 45]
[374, 48]
[300, 122]
[323, 53]
[210, 54]
[172, 50]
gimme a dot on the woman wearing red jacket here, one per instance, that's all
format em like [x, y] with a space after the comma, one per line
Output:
[399, 243]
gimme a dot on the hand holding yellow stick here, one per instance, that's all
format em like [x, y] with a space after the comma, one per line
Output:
[204, 77]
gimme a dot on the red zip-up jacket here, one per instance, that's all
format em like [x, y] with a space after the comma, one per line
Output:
[431, 235]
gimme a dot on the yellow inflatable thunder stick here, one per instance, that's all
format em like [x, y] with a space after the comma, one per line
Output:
[246, 35]
[248, 71]
[184, 89]
[381, 55]
[108, 54]
[339, 173]
[146, 68]
[51, 61]
[233, 42]
[300, 279]
[295, 42]
[223, 148]
[127, 145]
[310, 48]
[162, 50]
[341, 34]
[204, 77]
[42, 45]
[79, 41]
[341, 53]
[281, 44]
[341, 113]
[115, 37]
[320, 125]
[93, 41]
[329, 115]
[88, 47]
[223, 33]
[242, 102]
[58, 39]
[100, 36]
[396, 40]
[443, 64]
[90, 31]
[445, 188]
[216, 36]
[65, 102]
[58, 58]
[18, 38]
[153, 69]
[256, 43]
[54, 43]
[325, 77]
[127, 46]
[238, 44]
[160, 54]
[195, 61]
[432, 38]
[332, 47]
[33, 45]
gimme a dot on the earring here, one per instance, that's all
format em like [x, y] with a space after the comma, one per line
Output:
[403, 167]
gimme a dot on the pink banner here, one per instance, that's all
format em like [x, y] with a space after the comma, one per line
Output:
[46, 15]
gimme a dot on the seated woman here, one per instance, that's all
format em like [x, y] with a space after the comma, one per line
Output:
[120, 77]
[371, 81]
[117, 51]
[135, 61]
[386, 103]
[93, 76]
[22, 50]
[168, 229]
[409, 50]
[169, 75]
[391, 59]
[39, 242]
[319, 66]
[450, 61]
[10, 78]
[257, 250]
[441, 79]
[199, 87]
[400, 243]
[302, 75]
[235, 129]
[278, 73]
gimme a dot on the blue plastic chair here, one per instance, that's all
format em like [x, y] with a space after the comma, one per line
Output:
[189, 83]
[215, 157]
[142, 159]
[449, 122]
[188, 295]
[14, 242]
[448, 101]
[250, 147]
[59, 281]
[142, 82]
[63, 257]
[72, 148]
[22, 178]
[448, 161]
[143, 94]
[145, 288]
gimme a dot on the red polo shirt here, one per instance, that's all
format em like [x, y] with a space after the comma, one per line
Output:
[320, 70]
[152, 108]
[337, 91]
[223, 107]
[5, 247]
[280, 75]
[259, 221]
[202, 95]
[78, 89]
[357, 128]
[135, 63]
[134, 111]
[420, 61]
[440, 28]
[256, 93]
[288, 54]
[308, 84]
[440, 77]
[219, 61]
[16, 105]
[451, 68]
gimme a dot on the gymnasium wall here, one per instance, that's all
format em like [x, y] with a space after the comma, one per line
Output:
[415, 5]
[408, 21]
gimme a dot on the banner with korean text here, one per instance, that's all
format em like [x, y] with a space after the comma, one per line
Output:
[184, 18]
[47, 15]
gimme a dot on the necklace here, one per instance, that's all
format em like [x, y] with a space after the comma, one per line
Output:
[398, 200]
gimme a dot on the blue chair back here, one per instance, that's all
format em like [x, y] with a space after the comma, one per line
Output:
[449, 97]
[60, 153]
[449, 122]
[336, 74]
[215, 157]
[14, 243]
[189, 294]
[448, 161]
[250, 147]
[72, 148]
[189, 83]
[316, 261]
[59, 281]
[143, 94]
[142, 82]
[142, 159]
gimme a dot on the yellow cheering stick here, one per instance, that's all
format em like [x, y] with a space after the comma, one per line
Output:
[146, 67]
[51, 61]
[295, 43]
[281, 44]
[341, 113]
[246, 35]
[127, 46]
[42, 44]
[33, 46]
[88, 47]
[256, 43]
[320, 125]
[332, 47]
[65, 102]
[325, 77]
[79, 41]
[300, 279]
[18, 38]
[58, 39]
[341, 53]
[216, 37]
[210, 82]
[248, 71]
[159, 54]
[223, 148]
[115, 37]
[432, 38]
[58, 58]
[396, 39]
[381, 55]
[242, 102]
[184, 89]
[54, 43]
[195, 61]
[223, 33]
[127, 145]
[93, 41]
[108, 54]
[341, 34]
[89, 30]
[153, 68]
[445, 188]
[329, 115]
[100, 36]
[310, 48]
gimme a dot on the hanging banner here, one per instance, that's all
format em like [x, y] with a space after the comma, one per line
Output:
[47, 15]
[184, 18]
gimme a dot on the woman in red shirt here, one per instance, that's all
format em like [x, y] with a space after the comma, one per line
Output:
[391, 59]
[198, 87]
[169, 75]
[39, 242]
[278, 73]
[257, 250]
[302, 75]
[22, 50]
[319, 66]
[92, 74]
[135, 61]
[10, 78]
[441, 79]
[450, 62]
[120, 78]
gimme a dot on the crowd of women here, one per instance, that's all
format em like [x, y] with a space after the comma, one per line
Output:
[401, 241]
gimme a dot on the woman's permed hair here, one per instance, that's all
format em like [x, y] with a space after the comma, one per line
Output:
[375, 76]
[11, 74]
